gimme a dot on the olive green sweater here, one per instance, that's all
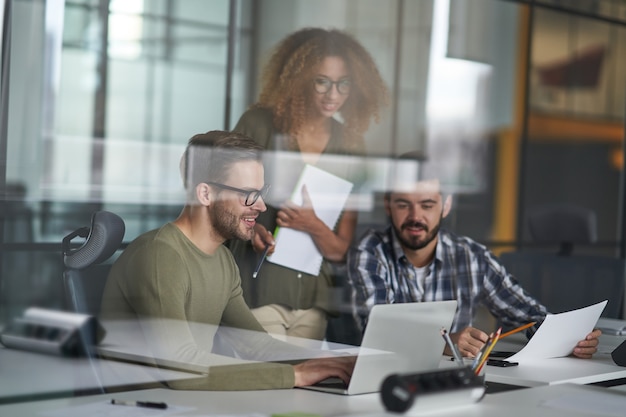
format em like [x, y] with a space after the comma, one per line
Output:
[163, 275]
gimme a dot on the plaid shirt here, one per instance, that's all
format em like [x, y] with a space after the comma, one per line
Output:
[380, 273]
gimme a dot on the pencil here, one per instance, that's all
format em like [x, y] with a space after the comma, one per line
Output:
[488, 351]
[478, 357]
[518, 329]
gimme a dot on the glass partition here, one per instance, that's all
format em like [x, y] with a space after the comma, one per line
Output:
[523, 105]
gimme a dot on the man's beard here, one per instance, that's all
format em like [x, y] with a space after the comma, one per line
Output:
[414, 242]
[226, 223]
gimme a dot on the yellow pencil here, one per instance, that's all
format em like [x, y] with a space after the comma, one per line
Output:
[518, 329]
[488, 351]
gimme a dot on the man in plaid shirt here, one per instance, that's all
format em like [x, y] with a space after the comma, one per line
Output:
[413, 260]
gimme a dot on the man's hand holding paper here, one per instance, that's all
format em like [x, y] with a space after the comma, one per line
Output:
[588, 346]
[564, 334]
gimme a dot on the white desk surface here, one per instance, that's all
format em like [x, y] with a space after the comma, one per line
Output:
[27, 375]
[559, 370]
[519, 403]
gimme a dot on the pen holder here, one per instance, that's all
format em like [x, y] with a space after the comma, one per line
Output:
[469, 362]
[434, 390]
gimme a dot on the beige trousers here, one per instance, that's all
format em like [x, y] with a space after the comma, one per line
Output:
[284, 321]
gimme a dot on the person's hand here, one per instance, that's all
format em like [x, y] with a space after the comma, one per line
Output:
[469, 341]
[587, 347]
[315, 370]
[297, 217]
[262, 238]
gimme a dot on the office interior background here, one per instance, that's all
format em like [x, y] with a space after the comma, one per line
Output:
[522, 101]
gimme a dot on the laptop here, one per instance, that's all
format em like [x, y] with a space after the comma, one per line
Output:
[399, 338]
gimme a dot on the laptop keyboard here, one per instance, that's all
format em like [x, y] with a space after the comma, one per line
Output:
[333, 382]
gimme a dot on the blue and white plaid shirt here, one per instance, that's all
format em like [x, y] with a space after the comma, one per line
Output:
[380, 273]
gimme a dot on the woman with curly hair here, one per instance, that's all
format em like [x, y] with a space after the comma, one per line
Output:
[313, 75]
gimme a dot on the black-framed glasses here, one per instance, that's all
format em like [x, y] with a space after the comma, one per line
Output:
[251, 195]
[323, 85]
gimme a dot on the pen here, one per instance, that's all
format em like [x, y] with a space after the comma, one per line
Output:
[518, 329]
[258, 266]
[452, 346]
[146, 404]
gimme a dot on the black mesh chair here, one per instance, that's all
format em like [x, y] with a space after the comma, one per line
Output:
[85, 274]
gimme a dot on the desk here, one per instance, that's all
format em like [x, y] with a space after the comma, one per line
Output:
[28, 376]
[559, 370]
[520, 403]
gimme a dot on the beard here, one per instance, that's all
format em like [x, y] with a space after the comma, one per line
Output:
[414, 242]
[227, 224]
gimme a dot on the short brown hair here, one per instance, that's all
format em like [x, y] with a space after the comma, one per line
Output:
[209, 156]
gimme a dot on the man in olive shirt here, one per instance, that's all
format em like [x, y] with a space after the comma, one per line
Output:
[180, 282]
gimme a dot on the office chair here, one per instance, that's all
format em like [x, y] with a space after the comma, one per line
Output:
[563, 281]
[563, 224]
[85, 275]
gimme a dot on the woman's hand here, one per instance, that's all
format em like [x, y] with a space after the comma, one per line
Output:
[297, 217]
[332, 244]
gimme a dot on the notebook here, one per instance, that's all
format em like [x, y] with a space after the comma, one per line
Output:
[399, 338]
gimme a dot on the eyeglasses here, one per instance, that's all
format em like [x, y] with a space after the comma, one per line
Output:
[251, 195]
[323, 85]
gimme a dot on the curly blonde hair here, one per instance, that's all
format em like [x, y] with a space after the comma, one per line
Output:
[287, 81]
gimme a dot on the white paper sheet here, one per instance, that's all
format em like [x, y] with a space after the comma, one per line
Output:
[296, 249]
[559, 333]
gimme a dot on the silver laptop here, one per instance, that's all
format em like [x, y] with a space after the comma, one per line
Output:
[399, 338]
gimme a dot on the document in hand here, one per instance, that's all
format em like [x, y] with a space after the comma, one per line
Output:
[559, 333]
[329, 193]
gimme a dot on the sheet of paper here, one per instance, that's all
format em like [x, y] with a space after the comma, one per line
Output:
[559, 333]
[296, 249]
